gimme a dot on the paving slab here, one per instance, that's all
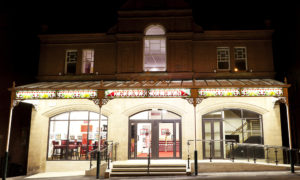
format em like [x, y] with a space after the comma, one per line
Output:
[265, 175]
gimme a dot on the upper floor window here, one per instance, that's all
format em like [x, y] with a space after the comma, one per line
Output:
[223, 58]
[71, 60]
[240, 58]
[155, 49]
[87, 61]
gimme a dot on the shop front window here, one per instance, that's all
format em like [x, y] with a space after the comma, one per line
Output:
[73, 134]
[240, 125]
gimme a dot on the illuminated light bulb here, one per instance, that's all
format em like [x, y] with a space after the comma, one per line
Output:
[236, 69]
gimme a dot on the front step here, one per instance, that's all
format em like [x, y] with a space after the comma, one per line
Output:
[162, 169]
[115, 174]
[146, 166]
[142, 170]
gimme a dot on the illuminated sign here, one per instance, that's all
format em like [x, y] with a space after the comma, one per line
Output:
[76, 94]
[151, 93]
[169, 92]
[148, 93]
[261, 92]
[35, 94]
[126, 93]
[215, 92]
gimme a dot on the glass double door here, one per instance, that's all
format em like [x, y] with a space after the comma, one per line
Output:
[160, 139]
[213, 136]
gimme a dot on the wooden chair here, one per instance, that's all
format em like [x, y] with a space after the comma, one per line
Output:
[56, 149]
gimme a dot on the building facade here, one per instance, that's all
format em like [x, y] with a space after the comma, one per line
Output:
[147, 66]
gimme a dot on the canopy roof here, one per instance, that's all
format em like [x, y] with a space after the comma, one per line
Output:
[105, 85]
[151, 89]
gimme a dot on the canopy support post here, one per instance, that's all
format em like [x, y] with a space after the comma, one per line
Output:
[100, 102]
[285, 101]
[194, 100]
[13, 104]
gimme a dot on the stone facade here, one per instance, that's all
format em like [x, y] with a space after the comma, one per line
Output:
[119, 110]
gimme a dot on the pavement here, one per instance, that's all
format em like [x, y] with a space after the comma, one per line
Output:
[262, 175]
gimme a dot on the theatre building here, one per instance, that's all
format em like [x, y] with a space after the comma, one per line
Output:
[161, 81]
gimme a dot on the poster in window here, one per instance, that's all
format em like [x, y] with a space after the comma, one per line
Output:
[144, 131]
[84, 128]
[103, 135]
[72, 137]
[58, 137]
[165, 131]
[96, 136]
[91, 136]
[79, 138]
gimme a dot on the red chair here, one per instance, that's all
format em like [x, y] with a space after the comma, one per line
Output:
[74, 149]
[56, 149]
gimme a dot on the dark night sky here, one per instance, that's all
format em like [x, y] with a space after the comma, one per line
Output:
[20, 23]
[23, 22]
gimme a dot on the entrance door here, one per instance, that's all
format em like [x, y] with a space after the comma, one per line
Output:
[212, 130]
[143, 139]
[160, 138]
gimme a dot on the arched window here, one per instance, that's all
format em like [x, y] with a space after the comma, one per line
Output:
[155, 49]
[73, 134]
[155, 115]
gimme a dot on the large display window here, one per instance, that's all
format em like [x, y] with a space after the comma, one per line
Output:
[240, 125]
[72, 135]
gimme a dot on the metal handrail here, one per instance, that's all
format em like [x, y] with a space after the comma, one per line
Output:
[94, 151]
[149, 158]
[107, 152]
[249, 146]
[210, 145]
[204, 140]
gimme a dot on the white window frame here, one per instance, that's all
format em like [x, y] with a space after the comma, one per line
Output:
[66, 59]
[246, 57]
[150, 37]
[218, 60]
[83, 61]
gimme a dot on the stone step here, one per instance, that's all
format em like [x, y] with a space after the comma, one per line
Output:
[145, 165]
[114, 174]
[161, 169]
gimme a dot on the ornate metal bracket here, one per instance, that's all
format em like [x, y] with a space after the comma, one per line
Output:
[15, 103]
[279, 100]
[195, 101]
[101, 102]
